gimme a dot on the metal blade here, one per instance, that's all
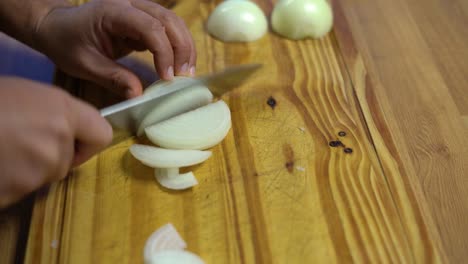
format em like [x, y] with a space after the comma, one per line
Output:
[128, 114]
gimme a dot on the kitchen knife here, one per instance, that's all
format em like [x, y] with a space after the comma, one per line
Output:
[126, 116]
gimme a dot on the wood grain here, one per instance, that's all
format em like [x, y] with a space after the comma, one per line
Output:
[274, 191]
[412, 79]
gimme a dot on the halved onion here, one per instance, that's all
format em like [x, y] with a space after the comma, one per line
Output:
[201, 128]
[299, 19]
[237, 21]
[176, 103]
[165, 238]
[171, 179]
[168, 158]
[174, 257]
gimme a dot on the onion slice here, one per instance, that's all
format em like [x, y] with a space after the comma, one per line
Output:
[174, 257]
[165, 238]
[201, 128]
[171, 179]
[176, 103]
[162, 85]
[168, 158]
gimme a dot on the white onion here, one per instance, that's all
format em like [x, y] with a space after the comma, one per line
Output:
[171, 179]
[165, 238]
[168, 158]
[237, 21]
[299, 19]
[161, 85]
[176, 103]
[174, 257]
[201, 128]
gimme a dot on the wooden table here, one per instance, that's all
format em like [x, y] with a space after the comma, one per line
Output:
[393, 76]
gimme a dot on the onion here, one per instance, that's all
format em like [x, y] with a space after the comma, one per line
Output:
[299, 19]
[178, 81]
[165, 238]
[176, 103]
[168, 158]
[237, 21]
[174, 257]
[171, 179]
[201, 128]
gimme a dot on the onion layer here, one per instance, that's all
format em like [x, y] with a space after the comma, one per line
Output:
[201, 128]
[168, 158]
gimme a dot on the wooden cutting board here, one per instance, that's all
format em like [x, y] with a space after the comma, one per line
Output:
[274, 191]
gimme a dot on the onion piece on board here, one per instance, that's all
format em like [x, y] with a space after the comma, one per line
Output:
[237, 21]
[171, 179]
[165, 238]
[168, 158]
[174, 257]
[299, 19]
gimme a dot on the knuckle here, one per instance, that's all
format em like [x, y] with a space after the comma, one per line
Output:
[156, 25]
[117, 80]
[183, 47]
[170, 16]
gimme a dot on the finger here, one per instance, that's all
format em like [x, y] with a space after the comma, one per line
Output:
[113, 76]
[193, 59]
[92, 131]
[138, 25]
[177, 32]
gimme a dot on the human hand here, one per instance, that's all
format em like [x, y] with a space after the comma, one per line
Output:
[43, 133]
[85, 40]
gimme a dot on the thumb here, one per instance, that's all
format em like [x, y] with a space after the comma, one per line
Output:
[92, 132]
[113, 76]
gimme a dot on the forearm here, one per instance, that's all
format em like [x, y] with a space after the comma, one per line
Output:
[21, 18]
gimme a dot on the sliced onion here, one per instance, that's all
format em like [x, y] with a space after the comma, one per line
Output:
[201, 128]
[178, 81]
[176, 103]
[299, 19]
[174, 257]
[171, 179]
[168, 158]
[165, 238]
[237, 21]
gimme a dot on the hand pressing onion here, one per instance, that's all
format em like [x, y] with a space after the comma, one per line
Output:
[299, 19]
[237, 21]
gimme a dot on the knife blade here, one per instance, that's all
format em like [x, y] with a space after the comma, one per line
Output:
[126, 116]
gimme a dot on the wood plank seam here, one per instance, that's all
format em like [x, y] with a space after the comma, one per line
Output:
[354, 64]
[370, 137]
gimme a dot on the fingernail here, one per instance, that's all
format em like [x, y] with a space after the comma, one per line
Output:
[170, 72]
[192, 71]
[184, 68]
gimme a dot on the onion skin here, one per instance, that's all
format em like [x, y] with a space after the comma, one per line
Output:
[300, 19]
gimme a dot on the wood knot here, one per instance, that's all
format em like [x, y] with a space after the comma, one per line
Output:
[335, 143]
[271, 102]
[290, 166]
